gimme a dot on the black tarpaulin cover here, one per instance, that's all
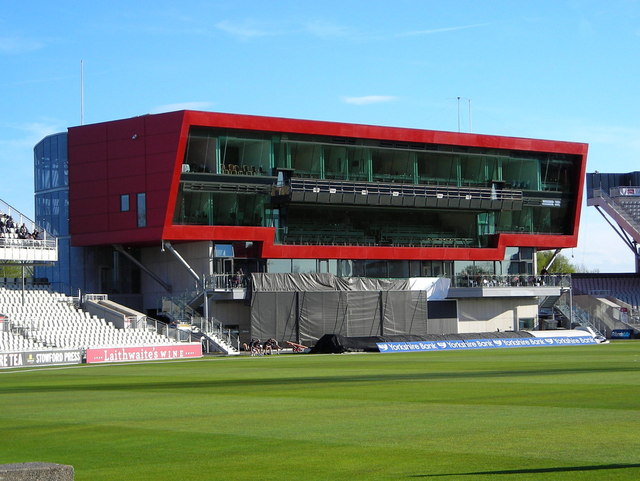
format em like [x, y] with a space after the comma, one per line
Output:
[337, 344]
[303, 307]
[436, 287]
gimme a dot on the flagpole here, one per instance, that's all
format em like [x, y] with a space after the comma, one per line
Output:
[81, 92]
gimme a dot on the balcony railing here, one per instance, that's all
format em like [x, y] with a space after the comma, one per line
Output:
[403, 190]
[519, 280]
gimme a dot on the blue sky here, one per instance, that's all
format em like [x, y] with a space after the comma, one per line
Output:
[561, 70]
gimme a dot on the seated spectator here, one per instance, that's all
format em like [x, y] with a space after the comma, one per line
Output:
[256, 347]
[270, 345]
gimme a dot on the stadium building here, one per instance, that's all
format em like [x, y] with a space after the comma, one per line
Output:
[293, 228]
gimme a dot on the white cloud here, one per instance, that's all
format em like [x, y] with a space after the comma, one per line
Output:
[30, 133]
[249, 29]
[369, 99]
[181, 106]
[321, 28]
[16, 159]
[431, 31]
[246, 30]
[16, 45]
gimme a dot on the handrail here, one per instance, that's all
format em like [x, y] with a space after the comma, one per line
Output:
[619, 208]
[517, 280]
[226, 282]
[402, 189]
[582, 317]
[178, 309]
[48, 244]
[20, 218]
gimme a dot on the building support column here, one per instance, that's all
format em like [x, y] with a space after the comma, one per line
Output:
[119, 248]
[167, 245]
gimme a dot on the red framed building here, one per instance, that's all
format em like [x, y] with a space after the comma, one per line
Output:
[225, 192]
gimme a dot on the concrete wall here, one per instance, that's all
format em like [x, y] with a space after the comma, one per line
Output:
[442, 326]
[172, 271]
[603, 313]
[233, 313]
[112, 312]
[490, 314]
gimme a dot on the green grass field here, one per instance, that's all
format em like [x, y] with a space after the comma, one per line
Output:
[558, 413]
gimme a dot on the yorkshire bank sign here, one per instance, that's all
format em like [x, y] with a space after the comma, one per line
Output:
[144, 353]
[451, 345]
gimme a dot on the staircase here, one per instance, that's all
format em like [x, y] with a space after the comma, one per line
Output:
[582, 318]
[221, 342]
[547, 303]
[217, 336]
[624, 210]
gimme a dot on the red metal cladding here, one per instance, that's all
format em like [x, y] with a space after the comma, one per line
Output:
[145, 154]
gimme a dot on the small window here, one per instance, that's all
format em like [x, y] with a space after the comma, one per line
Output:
[124, 203]
[142, 209]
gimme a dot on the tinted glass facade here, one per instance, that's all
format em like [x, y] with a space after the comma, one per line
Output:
[52, 206]
[383, 189]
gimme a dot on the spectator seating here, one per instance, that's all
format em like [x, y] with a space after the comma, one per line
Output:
[625, 287]
[41, 319]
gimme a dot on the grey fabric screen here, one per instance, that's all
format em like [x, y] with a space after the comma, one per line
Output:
[273, 314]
[405, 312]
[348, 308]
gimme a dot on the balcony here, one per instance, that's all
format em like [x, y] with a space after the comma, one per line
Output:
[22, 241]
[403, 195]
[29, 250]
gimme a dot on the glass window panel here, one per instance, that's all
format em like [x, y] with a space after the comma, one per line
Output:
[245, 156]
[304, 265]
[437, 269]
[305, 159]
[280, 155]
[438, 169]
[557, 174]
[427, 270]
[124, 203]
[516, 221]
[201, 152]
[358, 268]
[520, 173]
[279, 266]
[478, 170]
[223, 250]
[376, 268]
[336, 162]
[390, 165]
[464, 268]
[345, 268]
[141, 202]
[517, 268]
[415, 268]
[215, 208]
[447, 268]
[398, 269]
[511, 253]
[64, 164]
[359, 164]
[526, 253]
[333, 267]
[485, 267]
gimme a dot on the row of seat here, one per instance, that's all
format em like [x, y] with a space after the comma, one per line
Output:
[10, 342]
[43, 319]
[627, 289]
